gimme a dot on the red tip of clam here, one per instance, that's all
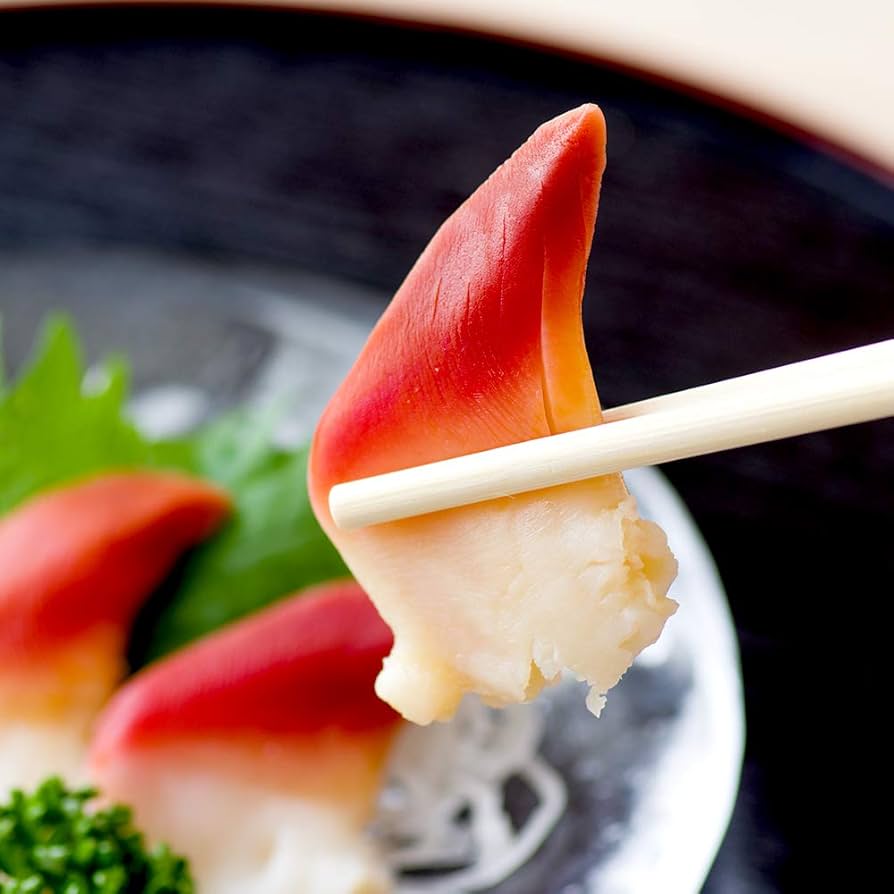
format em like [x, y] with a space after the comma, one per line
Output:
[305, 665]
[86, 555]
[482, 345]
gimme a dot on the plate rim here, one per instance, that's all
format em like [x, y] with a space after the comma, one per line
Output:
[850, 153]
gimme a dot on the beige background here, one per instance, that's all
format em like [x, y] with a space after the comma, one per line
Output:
[824, 65]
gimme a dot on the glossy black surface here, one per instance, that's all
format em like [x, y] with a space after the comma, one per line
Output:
[338, 147]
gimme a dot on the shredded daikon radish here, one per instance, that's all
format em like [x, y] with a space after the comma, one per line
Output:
[443, 806]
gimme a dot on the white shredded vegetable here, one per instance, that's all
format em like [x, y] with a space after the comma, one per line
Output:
[442, 812]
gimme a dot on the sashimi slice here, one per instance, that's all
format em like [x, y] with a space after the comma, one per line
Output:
[483, 346]
[258, 752]
[77, 564]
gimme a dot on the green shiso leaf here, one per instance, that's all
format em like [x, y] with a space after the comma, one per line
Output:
[270, 548]
[54, 428]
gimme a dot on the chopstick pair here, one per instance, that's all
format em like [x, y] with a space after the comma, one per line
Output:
[799, 398]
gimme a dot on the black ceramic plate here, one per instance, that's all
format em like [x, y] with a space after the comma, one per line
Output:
[137, 142]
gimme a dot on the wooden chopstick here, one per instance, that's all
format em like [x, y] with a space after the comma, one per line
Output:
[826, 392]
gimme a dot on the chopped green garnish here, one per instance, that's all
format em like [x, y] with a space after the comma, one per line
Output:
[55, 428]
[51, 843]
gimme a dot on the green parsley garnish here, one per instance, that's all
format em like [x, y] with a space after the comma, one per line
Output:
[50, 843]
